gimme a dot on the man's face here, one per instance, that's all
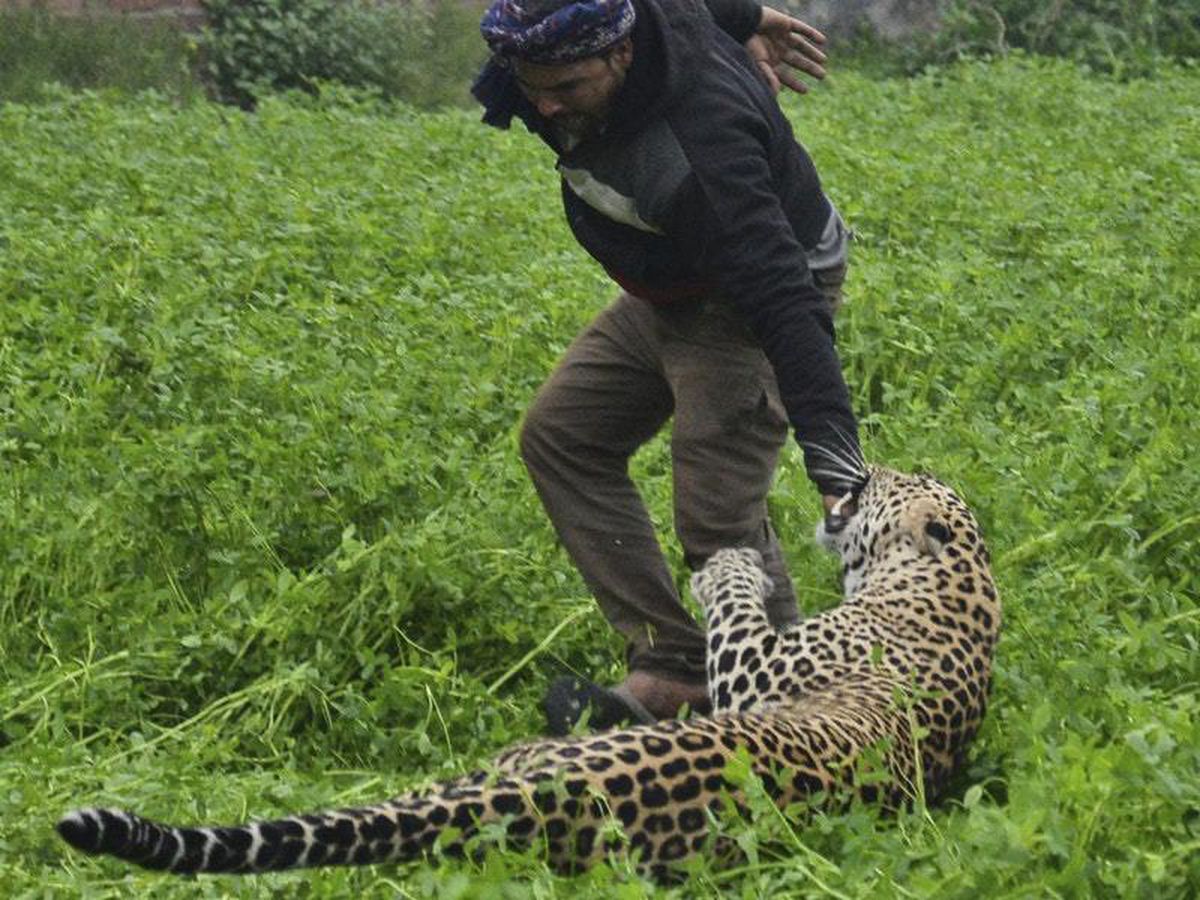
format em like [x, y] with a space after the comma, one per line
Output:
[576, 96]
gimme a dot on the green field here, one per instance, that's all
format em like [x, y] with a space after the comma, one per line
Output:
[266, 543]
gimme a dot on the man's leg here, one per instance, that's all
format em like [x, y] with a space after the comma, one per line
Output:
[730, 426]
[607, 397]
[729, 429]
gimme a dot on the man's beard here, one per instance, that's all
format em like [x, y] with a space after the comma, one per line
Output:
[582, 126]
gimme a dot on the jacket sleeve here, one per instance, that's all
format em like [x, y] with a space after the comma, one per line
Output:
[736, 216]
[737, 18]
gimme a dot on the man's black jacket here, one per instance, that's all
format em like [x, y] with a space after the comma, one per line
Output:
[697, 188]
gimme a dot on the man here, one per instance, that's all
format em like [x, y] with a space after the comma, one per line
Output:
[681, 176]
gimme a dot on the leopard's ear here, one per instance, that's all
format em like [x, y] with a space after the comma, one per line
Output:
[928, 527]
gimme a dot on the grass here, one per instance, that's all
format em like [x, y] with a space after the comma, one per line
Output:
[92, 51]
[267, 544]
[243, 50]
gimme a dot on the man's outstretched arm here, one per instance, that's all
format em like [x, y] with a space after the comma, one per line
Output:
[783, 46]
[783, 43]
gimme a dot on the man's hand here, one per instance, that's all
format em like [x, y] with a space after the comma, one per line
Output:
[783, 43]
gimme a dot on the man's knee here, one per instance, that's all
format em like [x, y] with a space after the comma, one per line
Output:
[720, 497]
[702, 532]
[552, 440]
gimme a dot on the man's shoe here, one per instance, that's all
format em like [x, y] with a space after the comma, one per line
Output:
[569, 698]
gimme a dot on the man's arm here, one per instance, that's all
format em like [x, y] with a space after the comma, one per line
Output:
[783, 43]
[778, 42]
[762, 269]
[732, 211]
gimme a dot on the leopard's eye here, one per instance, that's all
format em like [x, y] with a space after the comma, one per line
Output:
[937, 530]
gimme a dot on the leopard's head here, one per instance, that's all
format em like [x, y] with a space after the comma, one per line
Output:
[892, 517]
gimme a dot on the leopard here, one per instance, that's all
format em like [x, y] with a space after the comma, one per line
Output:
[876, 698]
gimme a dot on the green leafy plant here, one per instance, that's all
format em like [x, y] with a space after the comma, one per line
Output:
[422, 53]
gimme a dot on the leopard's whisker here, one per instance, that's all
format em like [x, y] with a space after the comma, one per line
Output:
[852, 446]
[837, 475]
[845, 467]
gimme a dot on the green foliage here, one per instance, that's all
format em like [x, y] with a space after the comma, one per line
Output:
[1128, 38]
[90, 51]
[1118, 36]
[424, 53]
[267, 544]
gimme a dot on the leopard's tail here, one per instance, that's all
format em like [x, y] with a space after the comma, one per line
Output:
[403, 828]
[345, 837]
[400, 829]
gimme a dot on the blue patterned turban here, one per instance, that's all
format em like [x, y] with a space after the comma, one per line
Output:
[540, 32]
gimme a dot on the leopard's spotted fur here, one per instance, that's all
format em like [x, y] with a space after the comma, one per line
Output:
[911, 645]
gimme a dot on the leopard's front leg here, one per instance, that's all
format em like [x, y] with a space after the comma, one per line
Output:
[751, 663]
[731, 589]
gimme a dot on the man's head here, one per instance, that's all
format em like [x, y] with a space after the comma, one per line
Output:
[569, 58]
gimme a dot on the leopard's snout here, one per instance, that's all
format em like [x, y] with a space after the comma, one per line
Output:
[838, 515]
[835, 522]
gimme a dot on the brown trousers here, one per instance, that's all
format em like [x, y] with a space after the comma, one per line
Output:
[619, 383]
